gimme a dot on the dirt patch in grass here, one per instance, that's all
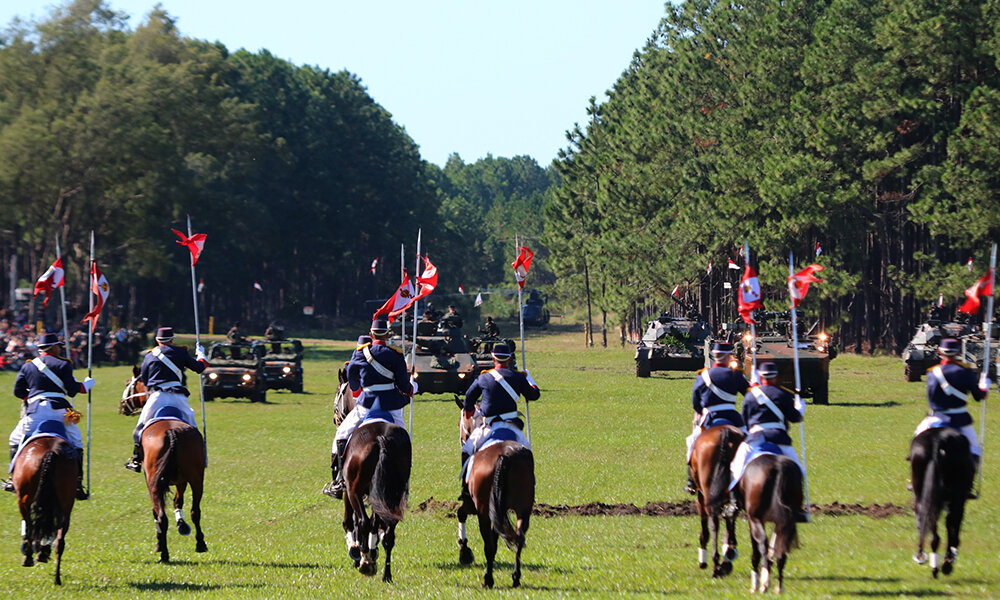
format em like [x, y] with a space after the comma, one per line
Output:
[449, 508]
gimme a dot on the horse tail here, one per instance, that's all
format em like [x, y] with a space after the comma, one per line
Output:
[391, 479]
[787, 492]
[718, 490]
[46, 510]
[498, 495]
[166, 462]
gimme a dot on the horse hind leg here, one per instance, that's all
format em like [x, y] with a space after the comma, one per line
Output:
[523, 521]
[60, 544]
[705, 534]
[489, 548]
[954, 525]
[465, 556]
[199, 535]
[182, 527]
[388, 542]
[26, 546]
[758, 575]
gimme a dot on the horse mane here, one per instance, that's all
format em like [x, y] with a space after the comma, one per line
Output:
[46, 510]
[391, 479]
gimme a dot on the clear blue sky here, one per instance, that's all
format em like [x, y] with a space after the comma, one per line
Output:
[467, 76]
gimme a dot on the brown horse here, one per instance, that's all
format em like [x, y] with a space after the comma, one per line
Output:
[45, 484]
[772, 493]
[173, 455]
[377, 465]
[710, 457]
[502, 479]
[344, 401]
[942, 472]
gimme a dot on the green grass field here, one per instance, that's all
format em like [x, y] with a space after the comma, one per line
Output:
[599, 434]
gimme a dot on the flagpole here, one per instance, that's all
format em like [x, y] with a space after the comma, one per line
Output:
[62, 297]
[984, 382]
[753, 326]
[413, 346]
[524, 362]
[197, 341]
[798, 385]
[90, 344]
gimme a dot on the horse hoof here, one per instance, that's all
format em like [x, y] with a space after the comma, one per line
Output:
[946, 568]
[722, 569]
[703, 565]
[28, 562]
[357, 564]
[354, 552]
[465, 556]
[183, 528]
[731, 554]
[387, 578]
[488, 583]
[934, 572]
[920, 558]
[516, 581]
[367, 568]
[201, 547]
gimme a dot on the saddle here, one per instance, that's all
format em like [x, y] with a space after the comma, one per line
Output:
[165, 413]
[47, 428]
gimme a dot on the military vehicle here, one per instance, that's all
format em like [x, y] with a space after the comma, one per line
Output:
[774, 344]
[444, 363]
[283, 365]
[533, 310]
[672, 343]
[921, 353]
[482, 349]
[237, 371]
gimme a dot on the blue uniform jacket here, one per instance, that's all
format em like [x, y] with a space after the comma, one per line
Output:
[495, 399]
[31, 382]
[154, 373]
[756, 413]
[361, 375]
[726, 379]
[964, 380]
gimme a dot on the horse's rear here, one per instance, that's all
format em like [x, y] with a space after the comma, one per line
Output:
[711, 455]
[377, 464]
[942, 473]
[174, 455]
[45, 484]
[772, 493]
[502, 481]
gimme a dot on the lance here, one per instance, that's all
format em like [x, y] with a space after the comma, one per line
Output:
[90, 344]
[520, 315]
[413, 346]
[197, 341]
[984, 382]
[753, 326]
[402, 323]
[798, 382]
[62, 298]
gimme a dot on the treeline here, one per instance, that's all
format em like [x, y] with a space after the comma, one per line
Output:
[297, 176]
[869, 126]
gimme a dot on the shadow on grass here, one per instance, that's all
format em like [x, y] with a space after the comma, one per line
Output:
[168, 586]
[922, 593]
[857, 579]
[503, 566]
[270, 565]
[886, 404]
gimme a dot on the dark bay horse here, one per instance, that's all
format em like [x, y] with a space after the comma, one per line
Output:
[45, 484]
[710, 457]
[344, 401]
[941, 473]
[772, 493]
[173, 455]
[502, 480]
[377, 466]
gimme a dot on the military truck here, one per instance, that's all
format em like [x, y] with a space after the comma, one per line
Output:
[283, 365]
[444, 363]
[774, 344]
[481, 349]
[533, 310]
[236, 371]
[672, 343]
[921, 353]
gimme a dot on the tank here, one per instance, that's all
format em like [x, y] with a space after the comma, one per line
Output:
[444, 363]
[481, 349]
[921, 353]
[774, 344]
[672, 343]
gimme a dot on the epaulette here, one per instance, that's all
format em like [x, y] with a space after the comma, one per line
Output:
[363, 346]
[964, 365]
[792, 392]
[62, 358]
[702, 369]
[395, 348]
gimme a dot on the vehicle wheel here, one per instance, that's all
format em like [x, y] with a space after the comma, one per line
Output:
[642, 367]
[821, 392]
[207, 396]
[911, 373]
[296, 387]
[260, 396]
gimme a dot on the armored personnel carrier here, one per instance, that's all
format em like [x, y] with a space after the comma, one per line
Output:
[444, 363]
[672, 343]
[482, 349]
[237, 371]
[533, 310]
[774, 344]
[921, 353]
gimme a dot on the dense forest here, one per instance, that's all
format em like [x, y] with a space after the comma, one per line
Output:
[296, 175]
[869, 126]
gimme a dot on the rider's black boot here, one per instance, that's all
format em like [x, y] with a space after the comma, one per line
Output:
[461, 476]
[689, 487]
[974, 492]
[335, 489]
[81, 493]
[135, 463]
[7, 485]
[731, 506]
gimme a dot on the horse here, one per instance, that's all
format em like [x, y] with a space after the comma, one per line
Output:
[45, 484]
[710, 457]
[377, 464]
[501, 479]
[344, 401]
[173, 455]
[942, 472]
[772, 493]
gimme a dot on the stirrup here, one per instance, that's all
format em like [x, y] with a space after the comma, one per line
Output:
[133, 464]
[729, 509]
[334, 489]
[7, 485]
[81, 493]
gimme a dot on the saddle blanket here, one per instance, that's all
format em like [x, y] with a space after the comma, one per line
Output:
[748, 454]
[496, 436]
[44, 429]
[165, 413]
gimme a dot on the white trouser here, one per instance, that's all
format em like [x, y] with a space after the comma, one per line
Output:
[968, 431]
[689, 440]
[158, 400]
[26, 426]
[480, 434]
[356, 416]
[743, 452]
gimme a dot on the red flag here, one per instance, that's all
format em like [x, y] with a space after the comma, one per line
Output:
[798, 284]
[195, 243]
[732, 265]
[426, 283]
[983, 287]
[521, 265]
[374, 264]
[479, 299]
[708, 271]
[257, 286]
[674, 292]
[749, 297]
[968, 264]
[818, 250]
[98, 286]
[399, 301]
[201, 285]
[461, 289]
[52, 278]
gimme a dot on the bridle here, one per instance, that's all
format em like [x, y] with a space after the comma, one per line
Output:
[131, 400]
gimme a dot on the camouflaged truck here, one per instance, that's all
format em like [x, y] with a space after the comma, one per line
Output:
[921, 353]
[444, 363]
[672, 343]
[283, 365]
[236, 371]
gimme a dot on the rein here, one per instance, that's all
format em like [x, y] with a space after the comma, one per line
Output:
[129, 402]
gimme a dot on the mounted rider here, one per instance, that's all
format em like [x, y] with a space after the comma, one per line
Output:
[163, 375]
[497, 391]
[377, 377]
[45, 384]
[713, 398]
[767, 410]
[948, 386]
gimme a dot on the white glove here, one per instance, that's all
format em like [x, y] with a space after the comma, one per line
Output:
[413, 384]
[89, 383]
[800, 406]
[527, 375]
[199, 352]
